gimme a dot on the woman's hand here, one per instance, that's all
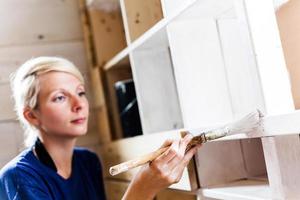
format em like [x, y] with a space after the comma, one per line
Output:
[161, 172]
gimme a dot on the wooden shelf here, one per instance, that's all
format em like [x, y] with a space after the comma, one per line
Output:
[239, 190]
[148, 35]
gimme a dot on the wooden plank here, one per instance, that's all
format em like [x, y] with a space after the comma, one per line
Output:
[108, 34]
[12, 57]
[96, 80]
[287, 19]
[64, 23]
[100, 105]
[140, 16]
[113, 76]
[12, 139]
[125, 149]
[7, 103]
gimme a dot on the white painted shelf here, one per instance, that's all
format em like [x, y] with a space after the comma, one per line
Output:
[239, 190]
[148, 35]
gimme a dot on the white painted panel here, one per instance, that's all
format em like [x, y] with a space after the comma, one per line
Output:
[244, 87]
[204, 9]
[200, 73]
[36, 21]
[156, 90]
[260, 23]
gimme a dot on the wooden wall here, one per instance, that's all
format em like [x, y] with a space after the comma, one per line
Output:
[30, 29]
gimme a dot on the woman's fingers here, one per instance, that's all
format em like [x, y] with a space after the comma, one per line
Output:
[181, 151]
[178, 170]
[168, 154]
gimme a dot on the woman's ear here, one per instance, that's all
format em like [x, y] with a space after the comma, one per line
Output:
[31, 117]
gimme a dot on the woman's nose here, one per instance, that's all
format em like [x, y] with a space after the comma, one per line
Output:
[77, 104]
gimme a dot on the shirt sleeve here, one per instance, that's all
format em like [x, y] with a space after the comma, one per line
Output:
[20, 186]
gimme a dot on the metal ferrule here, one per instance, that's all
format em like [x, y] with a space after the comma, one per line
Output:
[215, 134]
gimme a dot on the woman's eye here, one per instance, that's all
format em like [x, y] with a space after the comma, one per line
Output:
[59, 98]
[81, 93]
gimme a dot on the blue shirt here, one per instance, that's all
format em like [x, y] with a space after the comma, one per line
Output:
[26, 178]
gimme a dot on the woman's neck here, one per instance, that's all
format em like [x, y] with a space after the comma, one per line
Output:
[61, 152]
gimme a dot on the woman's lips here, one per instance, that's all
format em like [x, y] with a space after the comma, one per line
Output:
[79, 120]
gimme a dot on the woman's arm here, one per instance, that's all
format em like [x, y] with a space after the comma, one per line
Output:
[161, 172]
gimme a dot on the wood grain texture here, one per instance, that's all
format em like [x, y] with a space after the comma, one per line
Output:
[37, 21]
[108, 34]
[140, 16]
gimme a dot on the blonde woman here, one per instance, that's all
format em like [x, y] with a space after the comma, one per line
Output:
[52, 107]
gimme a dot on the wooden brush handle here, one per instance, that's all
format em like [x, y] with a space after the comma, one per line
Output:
[125, 166]
[114, 170]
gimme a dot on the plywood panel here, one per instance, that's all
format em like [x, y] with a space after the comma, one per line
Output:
[12, 57]
[7, 103]
[35, 21]
[108, 34]
[11, 138]
[140, 16]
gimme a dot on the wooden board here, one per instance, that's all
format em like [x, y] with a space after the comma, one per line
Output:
[13, 56]
[139, 16]
[12, 141]
[7, 103]
[108, 34]
[125, 149]
[37, 22]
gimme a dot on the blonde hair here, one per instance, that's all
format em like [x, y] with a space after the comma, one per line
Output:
[25, 87]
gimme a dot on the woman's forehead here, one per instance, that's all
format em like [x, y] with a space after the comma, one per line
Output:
[58, 80]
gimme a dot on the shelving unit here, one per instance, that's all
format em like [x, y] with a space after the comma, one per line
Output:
[207, 62]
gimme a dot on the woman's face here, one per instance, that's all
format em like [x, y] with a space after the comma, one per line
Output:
[63, 108]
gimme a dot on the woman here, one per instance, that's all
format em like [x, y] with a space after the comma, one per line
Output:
[51, 105]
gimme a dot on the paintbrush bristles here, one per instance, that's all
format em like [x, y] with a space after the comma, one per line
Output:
[245, 125]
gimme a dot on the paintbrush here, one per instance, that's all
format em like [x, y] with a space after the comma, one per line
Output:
[246, 124]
